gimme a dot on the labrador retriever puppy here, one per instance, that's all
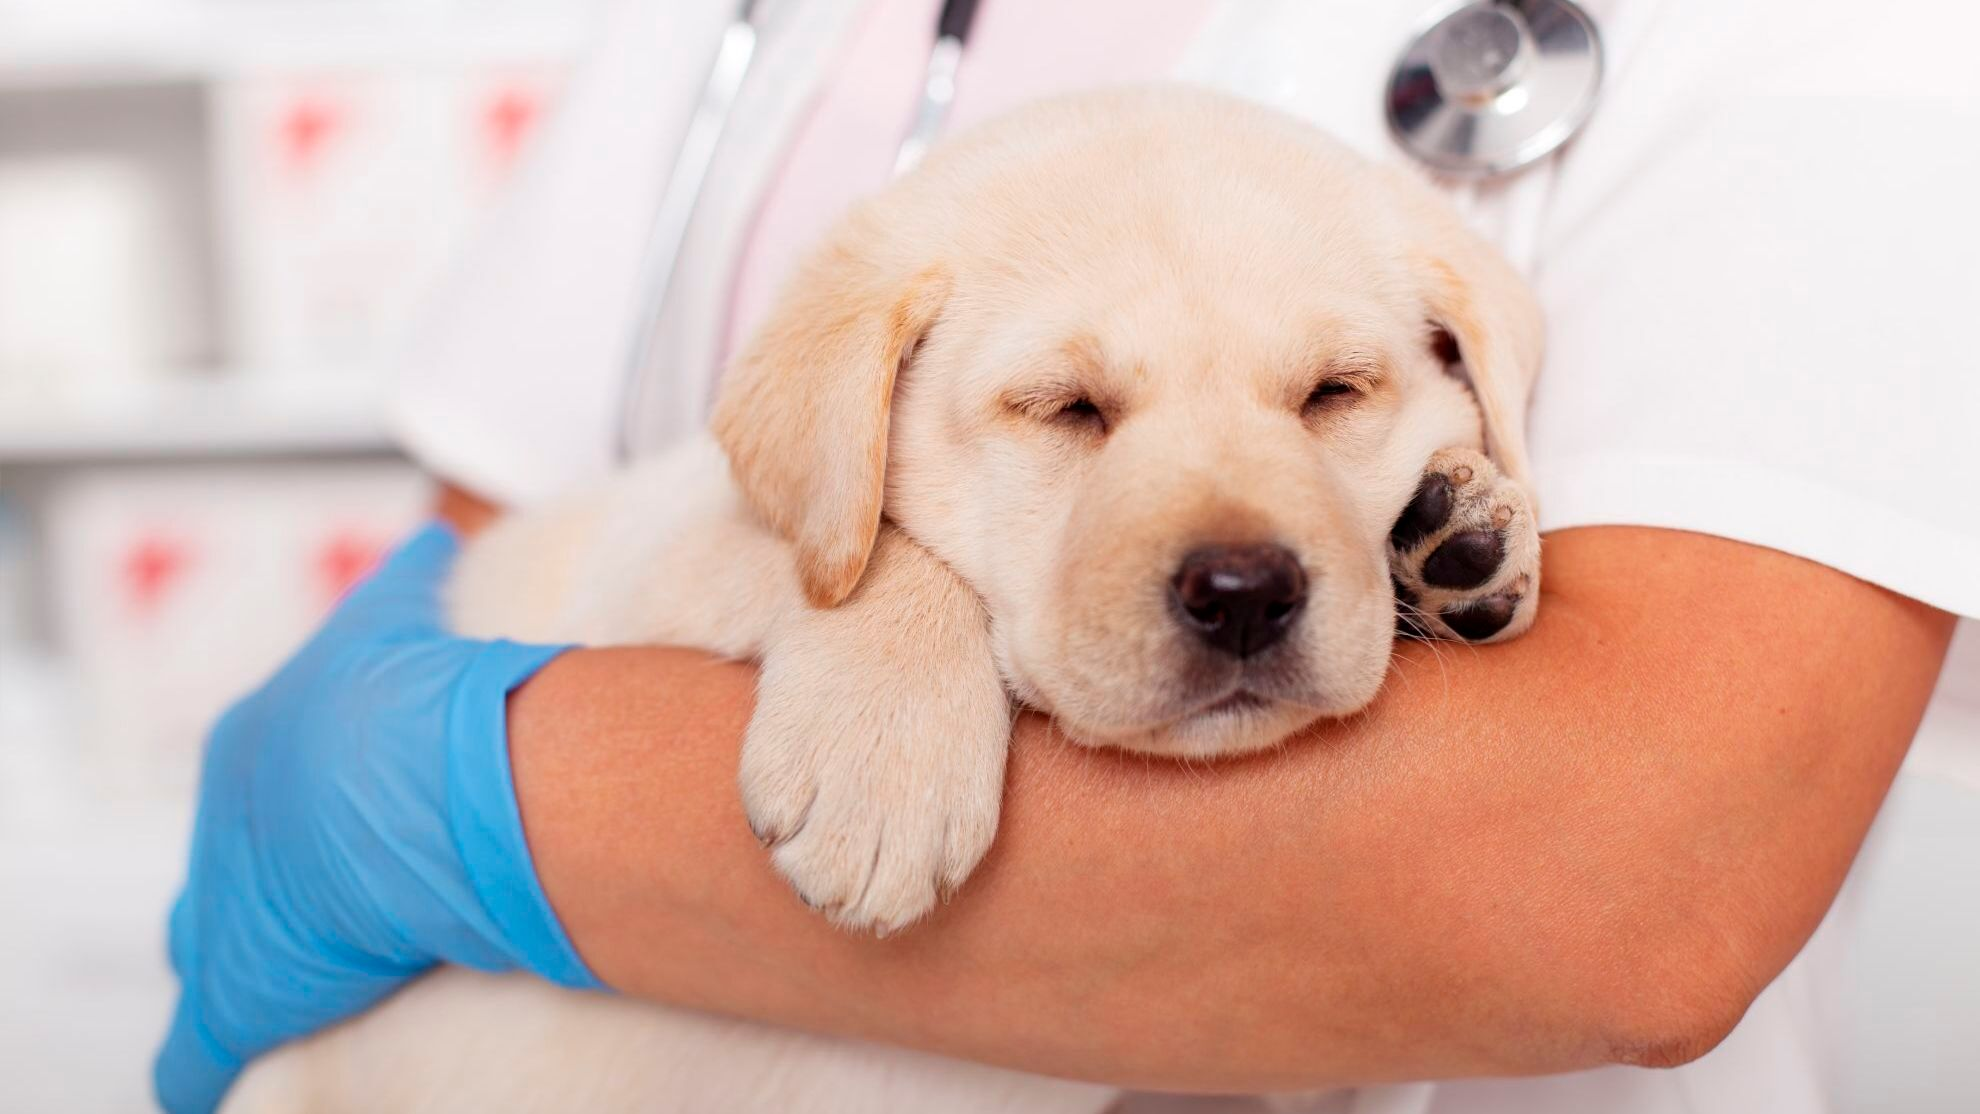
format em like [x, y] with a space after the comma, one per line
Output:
[1151, 409]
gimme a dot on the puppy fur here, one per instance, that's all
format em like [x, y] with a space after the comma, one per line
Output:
[960, 464]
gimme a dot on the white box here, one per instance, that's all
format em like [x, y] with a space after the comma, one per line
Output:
[346, 196]
[336, 213]
[86, 300]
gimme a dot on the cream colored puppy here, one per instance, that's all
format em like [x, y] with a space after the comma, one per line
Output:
[1147, 408]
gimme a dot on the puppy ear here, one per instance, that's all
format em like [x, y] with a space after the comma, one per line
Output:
[1487, 326]
[803, 412]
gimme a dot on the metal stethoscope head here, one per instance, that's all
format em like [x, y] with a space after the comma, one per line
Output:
[1495, 85]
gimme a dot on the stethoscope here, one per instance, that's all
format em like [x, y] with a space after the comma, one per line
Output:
[1487, 88]
[734, 56]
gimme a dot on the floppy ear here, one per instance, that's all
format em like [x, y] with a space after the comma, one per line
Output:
[1481, 304]
[803, 411]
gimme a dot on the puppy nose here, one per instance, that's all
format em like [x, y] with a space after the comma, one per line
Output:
[1240, 599]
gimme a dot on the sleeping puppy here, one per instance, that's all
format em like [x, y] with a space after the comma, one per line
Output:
[1150, 409]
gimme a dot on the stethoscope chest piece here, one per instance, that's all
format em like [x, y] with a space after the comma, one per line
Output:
[1495, 85]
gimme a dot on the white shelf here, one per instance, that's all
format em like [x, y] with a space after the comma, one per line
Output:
[197, 42]
[208, 416]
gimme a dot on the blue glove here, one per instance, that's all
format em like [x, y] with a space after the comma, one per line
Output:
[357, 825]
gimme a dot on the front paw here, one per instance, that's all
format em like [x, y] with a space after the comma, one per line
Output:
[874, 766]
[1465, 555]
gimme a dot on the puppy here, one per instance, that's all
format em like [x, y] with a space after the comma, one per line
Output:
[1149, 408]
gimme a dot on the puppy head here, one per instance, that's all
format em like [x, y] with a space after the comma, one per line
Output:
[1155, 371]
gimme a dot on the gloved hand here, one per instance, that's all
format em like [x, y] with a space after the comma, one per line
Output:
[357, 825]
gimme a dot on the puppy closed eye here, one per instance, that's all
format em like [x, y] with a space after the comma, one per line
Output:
[1334, 394]
[1083, 413]
[1061, 408]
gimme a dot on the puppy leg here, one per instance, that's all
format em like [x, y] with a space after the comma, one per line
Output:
[874, 766]
[1465, 554]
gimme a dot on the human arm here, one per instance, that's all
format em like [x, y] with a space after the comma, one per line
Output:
[1596, 843]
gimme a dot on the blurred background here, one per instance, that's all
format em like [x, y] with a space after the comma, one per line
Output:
[216, 219]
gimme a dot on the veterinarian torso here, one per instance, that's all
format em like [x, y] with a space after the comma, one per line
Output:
[1757, 331]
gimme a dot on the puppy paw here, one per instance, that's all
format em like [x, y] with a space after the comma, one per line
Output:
[873, 769]
[1465, 555]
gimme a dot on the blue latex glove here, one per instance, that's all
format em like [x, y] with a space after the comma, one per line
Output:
[357, 825]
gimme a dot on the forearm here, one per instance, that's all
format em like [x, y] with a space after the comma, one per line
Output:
[1525, 858]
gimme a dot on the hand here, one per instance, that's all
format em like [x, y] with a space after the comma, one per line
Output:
[357, 825]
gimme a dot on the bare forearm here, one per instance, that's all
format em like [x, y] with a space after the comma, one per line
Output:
[1577, 847]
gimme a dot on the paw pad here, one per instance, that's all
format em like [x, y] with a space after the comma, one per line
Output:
[1465, 560]
[1464, 554]
[1476, 622]
[1426, 514]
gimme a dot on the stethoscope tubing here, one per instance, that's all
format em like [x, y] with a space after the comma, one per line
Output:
[687, 181]
[734, 58]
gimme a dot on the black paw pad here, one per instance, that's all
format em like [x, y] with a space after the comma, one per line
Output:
[1479, 621]
[1427, 512]
[1465, 560]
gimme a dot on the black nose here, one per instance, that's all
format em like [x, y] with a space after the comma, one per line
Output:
[1240, 599]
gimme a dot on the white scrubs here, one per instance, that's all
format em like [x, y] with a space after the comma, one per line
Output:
[1761, 268]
